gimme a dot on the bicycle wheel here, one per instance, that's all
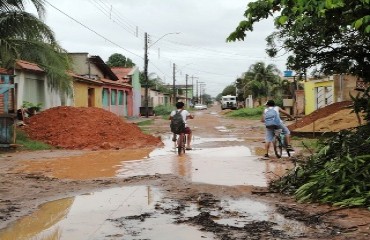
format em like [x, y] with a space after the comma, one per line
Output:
[181, 144]
[278, 146]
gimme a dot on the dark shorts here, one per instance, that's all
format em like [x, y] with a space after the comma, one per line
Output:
[187, 130]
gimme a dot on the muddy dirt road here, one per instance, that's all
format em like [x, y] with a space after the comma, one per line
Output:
[216, 191]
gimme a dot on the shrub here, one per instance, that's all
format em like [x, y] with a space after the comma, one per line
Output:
[163, 110]
[251, 113]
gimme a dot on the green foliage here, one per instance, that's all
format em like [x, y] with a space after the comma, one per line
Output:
[331, 35]
[31, 105]
[163, 110]
[250, 113]
[339, 173]
[24, 36]
[29, 144]
[118, 60]
[229, 90]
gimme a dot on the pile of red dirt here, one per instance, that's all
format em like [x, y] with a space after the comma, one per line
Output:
[86, 128]
[319, 114]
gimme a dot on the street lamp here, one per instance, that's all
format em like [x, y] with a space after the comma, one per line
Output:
[146, 61]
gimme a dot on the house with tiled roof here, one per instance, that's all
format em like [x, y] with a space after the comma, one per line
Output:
[131, 76]
[31, 86]
[116, 94]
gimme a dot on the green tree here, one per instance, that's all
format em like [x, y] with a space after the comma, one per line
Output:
[229, 90]
[259, 81]
[118, 60]
[25, 36]
[333, 35]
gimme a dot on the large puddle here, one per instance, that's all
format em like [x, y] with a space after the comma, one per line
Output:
[229, 163]
[139, 212]
[143, 212]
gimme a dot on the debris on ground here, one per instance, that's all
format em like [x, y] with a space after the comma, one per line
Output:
[86, 128]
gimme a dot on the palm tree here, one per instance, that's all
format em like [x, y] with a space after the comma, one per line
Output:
[259, 79]
[26, 37]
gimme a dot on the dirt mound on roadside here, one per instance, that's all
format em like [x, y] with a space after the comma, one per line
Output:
[320, 114]
[86, 128]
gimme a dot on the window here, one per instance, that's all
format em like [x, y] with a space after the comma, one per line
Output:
[34, 91]
[105, 97]
[113, 95]
[120, 97]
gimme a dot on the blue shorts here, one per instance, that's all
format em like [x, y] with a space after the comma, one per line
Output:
[270, 132]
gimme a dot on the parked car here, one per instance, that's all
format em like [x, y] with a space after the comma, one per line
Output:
[200, 107]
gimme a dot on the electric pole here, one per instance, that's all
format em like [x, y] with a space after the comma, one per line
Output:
[192, 88]
[173, 84]
[146, 100]
[186, 89]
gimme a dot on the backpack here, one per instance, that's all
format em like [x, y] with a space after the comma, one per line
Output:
[272, 119]
[177, 123]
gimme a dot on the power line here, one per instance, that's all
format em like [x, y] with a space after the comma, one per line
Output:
[90, 29]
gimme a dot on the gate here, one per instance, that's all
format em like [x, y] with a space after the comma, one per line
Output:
[7, 119]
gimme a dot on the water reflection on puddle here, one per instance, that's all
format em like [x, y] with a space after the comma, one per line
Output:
[139, 212]
[96, 216]
[231, 165]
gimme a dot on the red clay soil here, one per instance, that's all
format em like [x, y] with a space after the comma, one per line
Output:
[86, 128]
[320, 113]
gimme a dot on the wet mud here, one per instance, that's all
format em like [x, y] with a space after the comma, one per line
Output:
[216, 191]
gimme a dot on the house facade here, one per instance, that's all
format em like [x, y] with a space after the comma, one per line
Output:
[116, 94]
[131, 76]
[319, 93]
[31, 85]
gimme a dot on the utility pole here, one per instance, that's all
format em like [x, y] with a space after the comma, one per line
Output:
[186, 89]
[192, 88]
[146, 100]
[173, 84]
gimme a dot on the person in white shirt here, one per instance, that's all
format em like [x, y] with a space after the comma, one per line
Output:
[270, 132]
[185, 115]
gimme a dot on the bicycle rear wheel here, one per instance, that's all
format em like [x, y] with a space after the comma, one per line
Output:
[278, 147]
[181, 144]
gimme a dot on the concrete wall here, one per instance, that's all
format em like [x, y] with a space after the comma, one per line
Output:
[81, 97]
[344, 85]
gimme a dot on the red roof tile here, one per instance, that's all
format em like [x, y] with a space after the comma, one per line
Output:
[117, 83]
[29, 66]
[84, 79]
[4, 71]
[121, 73]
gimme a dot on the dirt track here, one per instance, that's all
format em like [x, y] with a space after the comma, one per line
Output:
[30, 179]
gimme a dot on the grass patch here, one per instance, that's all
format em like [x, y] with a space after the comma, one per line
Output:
[250, 113]
[145, 122]
[29, 144]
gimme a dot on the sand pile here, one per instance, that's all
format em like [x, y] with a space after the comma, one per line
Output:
[86, 128]
[334, 117]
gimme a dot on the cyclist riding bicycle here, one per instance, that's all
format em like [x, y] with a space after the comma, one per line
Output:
[185, 115]
[270, 105]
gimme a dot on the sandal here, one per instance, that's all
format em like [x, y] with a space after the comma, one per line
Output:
[188, 148]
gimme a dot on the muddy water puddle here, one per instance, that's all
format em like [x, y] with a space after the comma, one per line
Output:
[229, 164]
[143, 212]
[220, 161]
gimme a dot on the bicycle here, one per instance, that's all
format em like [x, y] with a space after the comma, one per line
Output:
[279, 143]
[180, 143]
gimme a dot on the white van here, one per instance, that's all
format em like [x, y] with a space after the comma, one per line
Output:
[229, 102]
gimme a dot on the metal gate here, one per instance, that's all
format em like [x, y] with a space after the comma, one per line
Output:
[324, 96]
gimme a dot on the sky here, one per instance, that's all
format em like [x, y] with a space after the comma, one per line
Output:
[188, 33]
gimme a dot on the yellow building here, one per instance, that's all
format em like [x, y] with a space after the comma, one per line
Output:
[87, 92]
[318, 93]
